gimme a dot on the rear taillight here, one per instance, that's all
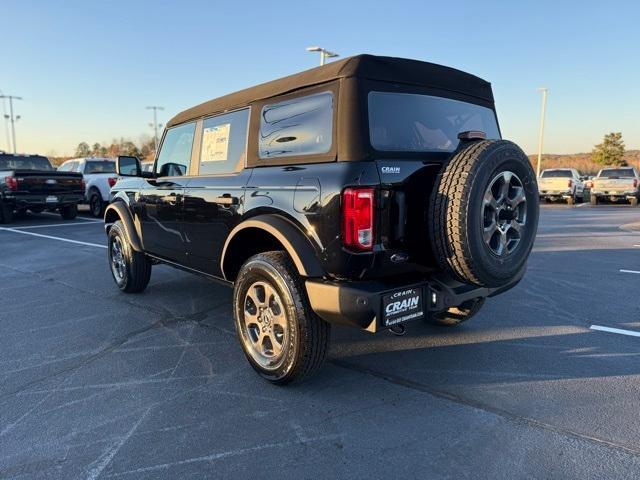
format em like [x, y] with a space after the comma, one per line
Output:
[11, 183]
[357, 218]
[112, 181]
[570, 184]
[635, 183]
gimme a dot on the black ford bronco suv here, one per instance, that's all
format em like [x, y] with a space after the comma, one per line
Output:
[367, 192]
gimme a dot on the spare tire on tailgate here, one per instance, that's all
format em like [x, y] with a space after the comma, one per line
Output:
[483, 213]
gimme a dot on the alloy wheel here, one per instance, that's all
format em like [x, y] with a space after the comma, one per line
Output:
[504, 210]
[264, 323]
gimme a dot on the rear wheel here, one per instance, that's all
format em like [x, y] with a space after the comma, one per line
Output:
[96, 205]
[131, 270]
[594, 199]
[483, 213]
[36, 209]
[633, 201]
[69, 212]
[456, 315]
[571, 200]
[283, 339]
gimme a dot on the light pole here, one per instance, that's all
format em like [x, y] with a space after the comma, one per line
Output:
[541, 136]
[324, 54]
[11, 118]
[6, 123]
[155, 125]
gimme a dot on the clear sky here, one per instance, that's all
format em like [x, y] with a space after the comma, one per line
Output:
[87, 70]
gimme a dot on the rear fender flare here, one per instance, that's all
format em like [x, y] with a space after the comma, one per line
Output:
[119, 211]
[294, 241]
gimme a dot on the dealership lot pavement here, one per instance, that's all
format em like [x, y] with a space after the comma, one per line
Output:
[97, 384]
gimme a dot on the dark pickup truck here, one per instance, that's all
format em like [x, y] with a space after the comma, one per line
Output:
[29, 182]
[368, 192]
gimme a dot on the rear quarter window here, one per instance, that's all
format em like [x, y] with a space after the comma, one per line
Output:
[300, 126]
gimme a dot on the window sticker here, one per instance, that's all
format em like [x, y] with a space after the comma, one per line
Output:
[215, 143]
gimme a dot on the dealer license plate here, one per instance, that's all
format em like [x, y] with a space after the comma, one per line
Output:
[402, 306]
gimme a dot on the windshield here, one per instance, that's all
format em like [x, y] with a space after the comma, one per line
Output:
[32, 162]
[99, 167]
[616, 172]
[407, 122]
[556, 174]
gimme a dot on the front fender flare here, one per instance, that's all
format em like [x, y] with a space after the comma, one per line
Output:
[120, 209]
[296, 244]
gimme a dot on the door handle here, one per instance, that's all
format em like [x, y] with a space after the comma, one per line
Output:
[227, 199]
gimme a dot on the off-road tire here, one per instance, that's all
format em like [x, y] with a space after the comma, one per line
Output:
[6, 213]
[308, 335]
[455, 218]
[594, 200]
[137, 266]
[69, 212]
[456, 315]
[96, 204]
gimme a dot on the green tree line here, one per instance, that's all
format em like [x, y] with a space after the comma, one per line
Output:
[145, 150]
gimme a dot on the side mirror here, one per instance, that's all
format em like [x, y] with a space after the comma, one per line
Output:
[128, 166]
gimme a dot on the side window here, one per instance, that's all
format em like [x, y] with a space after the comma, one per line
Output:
[175, 153]
[300, 126]
[224, 143]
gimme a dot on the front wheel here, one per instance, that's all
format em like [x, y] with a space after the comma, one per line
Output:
[594, 199]
[283, 339]
[131, 270]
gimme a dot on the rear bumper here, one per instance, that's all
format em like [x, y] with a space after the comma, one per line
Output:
[360, 304]
[614, 193]
[19, 200]
[555, 193]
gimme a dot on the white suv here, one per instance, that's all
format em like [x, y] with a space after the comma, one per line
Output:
[99, 176]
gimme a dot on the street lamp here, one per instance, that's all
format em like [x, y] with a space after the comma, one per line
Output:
[541, 135]
[155, 125]
[324, 54]
[13, 119]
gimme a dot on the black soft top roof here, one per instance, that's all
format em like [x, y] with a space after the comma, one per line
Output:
[399, 70]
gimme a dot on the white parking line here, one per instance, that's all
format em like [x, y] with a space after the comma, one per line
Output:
[71, 224]
[77, 218]
[600, 328]
[13, 230]
[629, 271]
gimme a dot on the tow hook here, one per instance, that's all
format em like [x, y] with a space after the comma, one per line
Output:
[398, 330]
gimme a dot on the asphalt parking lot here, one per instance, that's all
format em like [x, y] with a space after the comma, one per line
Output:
[98, 384]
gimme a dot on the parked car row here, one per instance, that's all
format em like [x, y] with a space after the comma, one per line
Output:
[615, 184]
[29, 182]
